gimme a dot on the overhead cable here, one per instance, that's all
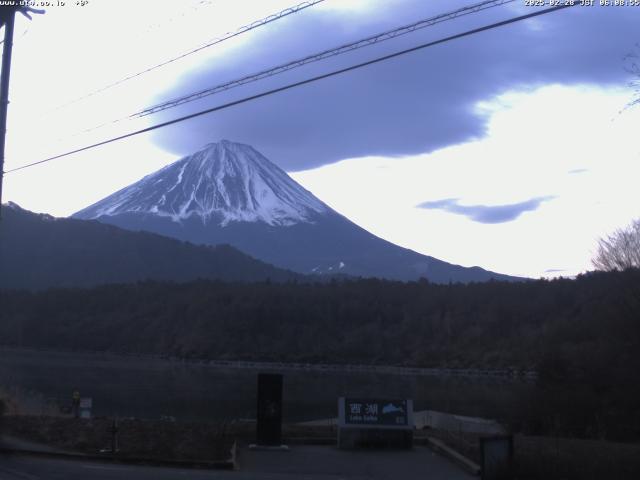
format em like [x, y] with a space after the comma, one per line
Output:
[246, 28]
[365, 42]
[298, 84]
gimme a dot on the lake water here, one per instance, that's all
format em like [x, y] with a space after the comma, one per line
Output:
[151, 388]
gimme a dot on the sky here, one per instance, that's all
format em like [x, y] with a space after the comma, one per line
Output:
[512, 149]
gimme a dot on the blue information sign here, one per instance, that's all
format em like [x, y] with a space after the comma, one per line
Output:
[376, 412]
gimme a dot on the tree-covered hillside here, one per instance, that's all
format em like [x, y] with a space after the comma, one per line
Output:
[39, 251]
[370, 321]
[583, 335]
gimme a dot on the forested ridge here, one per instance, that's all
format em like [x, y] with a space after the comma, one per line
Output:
[38, 251]
[493, 324]
[582, 335]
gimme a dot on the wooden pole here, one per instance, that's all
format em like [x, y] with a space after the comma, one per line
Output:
[7, 48]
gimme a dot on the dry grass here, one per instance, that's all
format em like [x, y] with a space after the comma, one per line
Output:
[162, 440]
[575, 459]
[154, 439]
[17, 401]
[549, 458]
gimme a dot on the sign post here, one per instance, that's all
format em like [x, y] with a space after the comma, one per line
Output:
[375, 423]
[86, 404]
[75, 404]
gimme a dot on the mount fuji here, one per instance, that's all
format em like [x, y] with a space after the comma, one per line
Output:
[229, 193]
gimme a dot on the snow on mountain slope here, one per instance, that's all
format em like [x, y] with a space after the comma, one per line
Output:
[228, 193]
[222, 183]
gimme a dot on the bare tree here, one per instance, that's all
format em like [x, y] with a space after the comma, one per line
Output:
[632, 66]
[620, 250]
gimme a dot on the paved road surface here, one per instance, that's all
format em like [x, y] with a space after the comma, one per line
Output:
[331, 463]
[38, 468]
[301, 463]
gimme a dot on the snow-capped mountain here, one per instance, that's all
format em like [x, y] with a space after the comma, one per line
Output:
[224, 182]
[230, 193]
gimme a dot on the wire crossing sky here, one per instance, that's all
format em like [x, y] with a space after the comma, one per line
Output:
[294, 85]
[227, 36]
[316, 57]
[461, 152]
[372, 40]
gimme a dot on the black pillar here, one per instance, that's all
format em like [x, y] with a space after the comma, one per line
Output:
[269, 415]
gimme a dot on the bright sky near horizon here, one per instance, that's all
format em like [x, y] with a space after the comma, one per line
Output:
[511, 149]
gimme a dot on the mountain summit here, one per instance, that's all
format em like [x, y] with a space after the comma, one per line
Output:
[230, 193]
[222, 183]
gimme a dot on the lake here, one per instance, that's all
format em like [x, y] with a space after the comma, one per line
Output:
[145, 387]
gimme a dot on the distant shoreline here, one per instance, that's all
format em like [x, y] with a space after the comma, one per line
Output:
[504, 373]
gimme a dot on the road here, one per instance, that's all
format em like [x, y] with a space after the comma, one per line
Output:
[314, 462]
[300, 463]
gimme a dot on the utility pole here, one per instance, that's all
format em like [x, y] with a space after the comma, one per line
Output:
[9, 19]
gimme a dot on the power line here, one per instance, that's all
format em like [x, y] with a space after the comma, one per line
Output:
[246, 28]
[374, 39]
[181, 14]
[365, 42]
[300, 83]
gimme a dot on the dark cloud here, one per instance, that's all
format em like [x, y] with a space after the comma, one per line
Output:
[577, 171]
[413, 104]
[486, 213]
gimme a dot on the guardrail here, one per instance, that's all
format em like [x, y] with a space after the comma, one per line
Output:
[389, 369]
